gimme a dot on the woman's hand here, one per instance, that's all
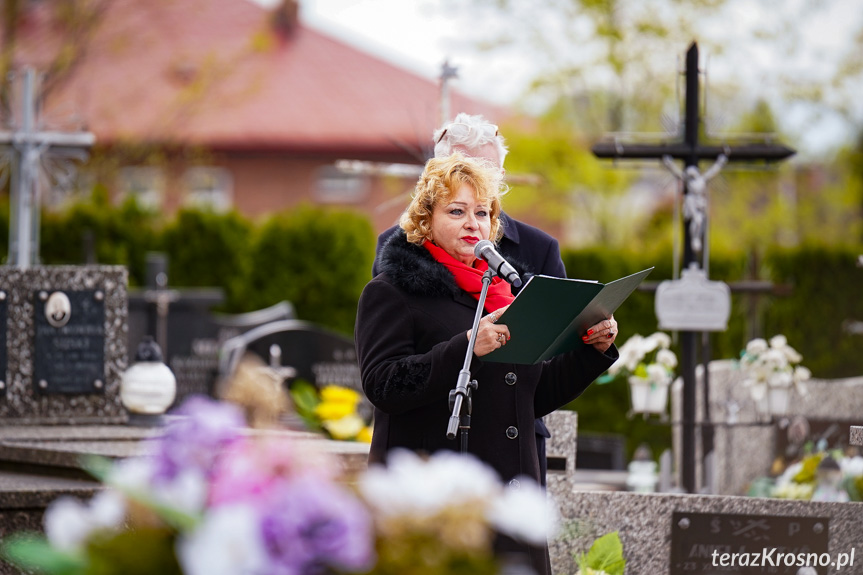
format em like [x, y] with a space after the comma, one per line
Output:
[601, 335]
[490, 335]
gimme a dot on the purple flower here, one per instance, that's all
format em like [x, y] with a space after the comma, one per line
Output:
[311, 525]
[195, 440]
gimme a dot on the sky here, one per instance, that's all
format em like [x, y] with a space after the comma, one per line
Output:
[417, 35]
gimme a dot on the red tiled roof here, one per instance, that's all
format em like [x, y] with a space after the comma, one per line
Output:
[216, 73]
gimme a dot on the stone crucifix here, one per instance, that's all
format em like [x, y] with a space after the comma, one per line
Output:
[25, 147]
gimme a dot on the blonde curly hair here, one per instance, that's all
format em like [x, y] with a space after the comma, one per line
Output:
[440, 180]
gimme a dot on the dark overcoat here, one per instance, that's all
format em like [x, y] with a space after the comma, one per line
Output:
[536, 252]
[411, 344]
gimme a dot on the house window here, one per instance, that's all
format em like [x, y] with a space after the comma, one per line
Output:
[208, 187]
[145, 184]
[334, 186]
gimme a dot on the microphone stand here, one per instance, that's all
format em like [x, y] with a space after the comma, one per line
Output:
[459, 421]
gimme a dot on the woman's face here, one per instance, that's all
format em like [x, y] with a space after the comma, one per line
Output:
[457, 225]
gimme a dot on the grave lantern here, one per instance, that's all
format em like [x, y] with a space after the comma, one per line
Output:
[148, 387]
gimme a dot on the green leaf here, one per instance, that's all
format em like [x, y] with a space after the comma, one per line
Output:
[606, 554]
[32, 552]
[305, 397]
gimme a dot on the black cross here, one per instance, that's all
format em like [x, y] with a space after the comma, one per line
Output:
[691, 152]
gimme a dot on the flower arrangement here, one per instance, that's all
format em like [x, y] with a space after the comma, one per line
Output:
[648, 365]
[826, 475]
[770, 370]
[605, 557]
[333, 410]
[211, 497]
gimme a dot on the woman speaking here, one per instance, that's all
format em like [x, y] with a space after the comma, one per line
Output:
[413, 329]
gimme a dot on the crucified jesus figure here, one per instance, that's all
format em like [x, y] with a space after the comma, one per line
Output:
[695, 200]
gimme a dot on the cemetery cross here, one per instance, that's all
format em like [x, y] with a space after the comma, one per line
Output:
[691, 152]
[24, 148]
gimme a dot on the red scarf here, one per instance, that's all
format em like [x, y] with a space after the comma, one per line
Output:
[470, 279]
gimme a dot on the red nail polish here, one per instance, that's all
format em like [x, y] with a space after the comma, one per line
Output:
[584, 338]
[609, 336]
[590, 332]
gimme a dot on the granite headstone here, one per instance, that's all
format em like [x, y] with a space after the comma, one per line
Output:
[65, 335]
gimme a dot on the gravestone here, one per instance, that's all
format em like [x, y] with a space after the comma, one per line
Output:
[746, 442]
[678, 533]
[65, 344]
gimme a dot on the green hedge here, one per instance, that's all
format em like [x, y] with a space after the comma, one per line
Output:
[120, 235]
[827, 293]
[317, 259]
[210, 249]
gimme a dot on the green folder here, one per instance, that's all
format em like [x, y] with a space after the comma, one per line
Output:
[550, 315]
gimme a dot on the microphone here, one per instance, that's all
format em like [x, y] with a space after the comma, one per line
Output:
[484, 250]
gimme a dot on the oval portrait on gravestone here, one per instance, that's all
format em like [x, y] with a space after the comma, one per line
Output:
[58, 309]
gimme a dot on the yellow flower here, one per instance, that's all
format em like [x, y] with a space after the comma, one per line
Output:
[330, 411]
[365, 435]
[348, 427]
[336, 402]
[339, 394]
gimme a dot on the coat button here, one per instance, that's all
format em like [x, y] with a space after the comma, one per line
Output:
[514, 483]
[512, 432]
[510, 378]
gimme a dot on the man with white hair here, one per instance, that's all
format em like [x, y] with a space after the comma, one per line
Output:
[534, 249]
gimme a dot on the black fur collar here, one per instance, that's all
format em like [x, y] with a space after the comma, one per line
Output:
[413, 269]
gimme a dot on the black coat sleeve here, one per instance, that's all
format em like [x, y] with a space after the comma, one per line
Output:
[399, 370]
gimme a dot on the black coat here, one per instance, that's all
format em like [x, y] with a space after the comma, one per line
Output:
[537, 252]
[411, 345]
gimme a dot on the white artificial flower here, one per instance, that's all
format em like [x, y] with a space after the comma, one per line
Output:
[411, 485]
[774, 359]
[801, 373]
[778, 341]
[852, 466]
[108, 509]
[346, 427]
[186, 492]
[756, 346]
[662, 339]
[658, 374]
[791, 354]
[132, 475]
[667, 358]
[525, 513]
[630, 353]
[228, 541]
[137, 477]
[69, 522]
